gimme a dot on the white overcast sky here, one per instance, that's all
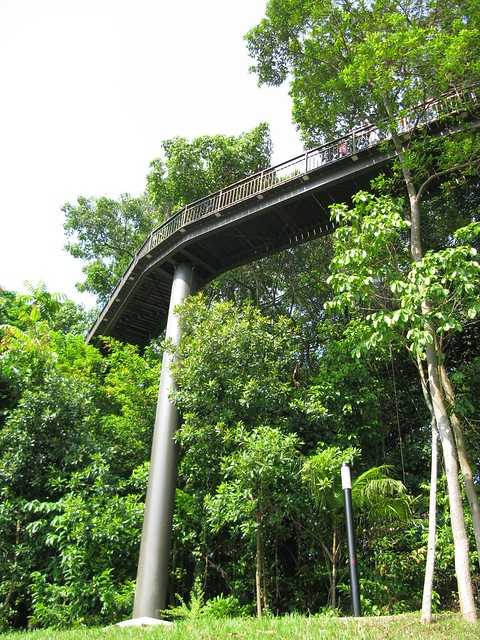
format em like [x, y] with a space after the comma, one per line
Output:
[90, 88]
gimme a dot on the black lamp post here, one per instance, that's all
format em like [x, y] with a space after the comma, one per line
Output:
[352, 555]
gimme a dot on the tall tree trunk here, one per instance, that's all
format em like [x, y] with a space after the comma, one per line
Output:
[333, 580]
[259, 566]
[264, 578]
[432, 531]
[277, 578]
[426, 615]
[462, 566]
[463, 458]
[460, 540]
[416, 248]
[13, 585]
[329, 566]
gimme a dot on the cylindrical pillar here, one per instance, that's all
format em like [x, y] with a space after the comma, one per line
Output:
[152, 574]
[352, 554]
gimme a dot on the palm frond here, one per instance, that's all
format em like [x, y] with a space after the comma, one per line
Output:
[378, 495]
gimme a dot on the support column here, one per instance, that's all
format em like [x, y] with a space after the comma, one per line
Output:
[152, 574]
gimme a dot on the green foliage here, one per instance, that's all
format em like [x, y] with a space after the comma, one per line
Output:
[245, 361]
[71, 497]
[27, 309]
[348, 61]
[260, 478]
[258, 494]
[226, 607]
[190, 170]
[345, 399]
[372, 274]
[218, 607]
[220, 344]
[94, 536]
[378, 497]
[321, 473]
[195, 608]
[105, 233]
[76, 434]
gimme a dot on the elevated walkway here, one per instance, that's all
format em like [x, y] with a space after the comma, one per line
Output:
[283, 206]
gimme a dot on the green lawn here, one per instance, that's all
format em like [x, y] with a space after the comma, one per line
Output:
[401, 627]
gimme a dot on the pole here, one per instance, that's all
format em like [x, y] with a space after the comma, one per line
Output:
[352, 555]
[152, 573]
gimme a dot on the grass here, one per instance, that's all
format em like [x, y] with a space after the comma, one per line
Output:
[402, 627]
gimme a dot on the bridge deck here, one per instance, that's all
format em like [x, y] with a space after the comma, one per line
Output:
[280, 207]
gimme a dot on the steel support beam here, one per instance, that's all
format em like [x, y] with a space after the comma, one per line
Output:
[152, 574]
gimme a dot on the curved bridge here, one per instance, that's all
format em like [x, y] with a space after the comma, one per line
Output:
[282, 206]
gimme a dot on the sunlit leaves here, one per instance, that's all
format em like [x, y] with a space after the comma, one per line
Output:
[105, 234]
[259, 481]
[347, 61]
[191, 169]
[373, 276]
[243, 359]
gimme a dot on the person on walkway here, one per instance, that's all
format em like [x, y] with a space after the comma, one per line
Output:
[343, 149]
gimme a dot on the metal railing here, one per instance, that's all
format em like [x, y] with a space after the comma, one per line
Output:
[365, 137]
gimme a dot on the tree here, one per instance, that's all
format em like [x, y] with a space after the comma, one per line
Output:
[74, 435]
[376, 497]
[351, 60]
[246, 361]
[371, 274]
[291, 283]
[61, 314]
[105, 233]
[190, 170]
[380, 60]
[258, 493]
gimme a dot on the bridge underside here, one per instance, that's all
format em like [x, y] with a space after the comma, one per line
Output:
[294, 212]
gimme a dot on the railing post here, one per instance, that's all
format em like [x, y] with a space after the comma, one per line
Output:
[152, 575]
[261, 181]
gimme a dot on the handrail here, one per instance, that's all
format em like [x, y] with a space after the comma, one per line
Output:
[360, 139]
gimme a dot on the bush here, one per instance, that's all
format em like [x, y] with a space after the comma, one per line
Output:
[218, 607]
[225, 607]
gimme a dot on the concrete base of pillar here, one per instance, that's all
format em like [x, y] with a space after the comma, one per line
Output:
[144, 621]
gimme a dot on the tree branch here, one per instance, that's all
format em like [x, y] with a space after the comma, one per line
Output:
[439, 174]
